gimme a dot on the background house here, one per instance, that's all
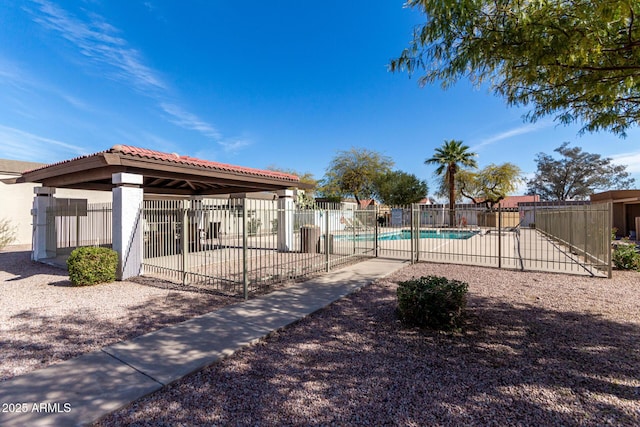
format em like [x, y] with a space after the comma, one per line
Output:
[626, 210]
[16, 200]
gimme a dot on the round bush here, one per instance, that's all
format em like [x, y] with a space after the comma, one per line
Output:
[433, 302]
[92, 265]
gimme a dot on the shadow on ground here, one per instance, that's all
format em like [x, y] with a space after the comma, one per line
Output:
[39, 340]
[354, 363]
[19, 264]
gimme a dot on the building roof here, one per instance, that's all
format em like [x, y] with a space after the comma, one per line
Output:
[617, 196]
[16, 167]
[164, 173]
[513, 201]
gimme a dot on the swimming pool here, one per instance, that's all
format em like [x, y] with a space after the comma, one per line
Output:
[406, 235]
[430, 234]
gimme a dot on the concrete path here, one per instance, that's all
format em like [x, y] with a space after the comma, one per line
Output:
[82, 390]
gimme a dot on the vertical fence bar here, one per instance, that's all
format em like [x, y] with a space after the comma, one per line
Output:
[327, 246]
[417, 209]
[411, 235]
[376, 224]
[245, 277]
[608, 229]
[185, 242]
[499, 237]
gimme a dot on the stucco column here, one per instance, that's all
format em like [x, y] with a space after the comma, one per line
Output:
[128, 230]
[43, 199]
[286, 208]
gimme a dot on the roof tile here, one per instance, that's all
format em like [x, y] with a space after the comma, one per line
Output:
[193, 161]
[185, 160]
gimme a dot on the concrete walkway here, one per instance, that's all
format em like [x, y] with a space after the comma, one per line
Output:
[82, 390]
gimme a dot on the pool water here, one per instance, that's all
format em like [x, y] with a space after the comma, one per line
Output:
[430, 234]
[406, 235]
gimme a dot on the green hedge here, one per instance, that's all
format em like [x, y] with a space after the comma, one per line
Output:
[433, 302]
[92, 265]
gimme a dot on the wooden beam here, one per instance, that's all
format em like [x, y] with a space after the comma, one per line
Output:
[79, 177]
[83, 165]
[156, 181]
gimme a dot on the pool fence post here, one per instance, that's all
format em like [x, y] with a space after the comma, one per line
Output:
[375, 230]
[416, 207]
[185, 239]
[411, 233]
[499, 236]
[245, 277]
[327, 246]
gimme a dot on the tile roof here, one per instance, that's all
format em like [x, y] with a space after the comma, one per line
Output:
[184, 160]
[17, 166]
[193, 161]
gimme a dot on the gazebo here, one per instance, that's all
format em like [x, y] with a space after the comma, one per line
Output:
[131, 172]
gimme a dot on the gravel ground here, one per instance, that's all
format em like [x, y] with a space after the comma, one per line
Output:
[44, 320]
[537, 349]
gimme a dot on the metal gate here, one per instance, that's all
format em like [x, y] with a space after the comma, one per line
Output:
[72, 223]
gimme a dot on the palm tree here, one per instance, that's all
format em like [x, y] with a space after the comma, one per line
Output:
[450, 158]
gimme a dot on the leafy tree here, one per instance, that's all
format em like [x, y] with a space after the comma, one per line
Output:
[489, 185]
[576, 175]
[354, 172]
[400, 188]
[450, 158]
[305, 197]
[305, 178]
[578, 60]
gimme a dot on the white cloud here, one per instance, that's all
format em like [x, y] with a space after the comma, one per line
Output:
[521, 130]
[18, 144]
[98, 41]
[189, 121]
[18, 77]
[630, 160]
[234, 145]
[101, 42]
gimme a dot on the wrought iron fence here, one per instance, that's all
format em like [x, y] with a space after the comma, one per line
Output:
[73, 223]
[550, 238]
[584, 230]
[237, 246]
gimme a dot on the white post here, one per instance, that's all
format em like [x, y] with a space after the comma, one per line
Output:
[285, 220]
[43, 199]
[128, 230]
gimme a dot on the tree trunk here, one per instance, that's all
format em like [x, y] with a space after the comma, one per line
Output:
[452, 197]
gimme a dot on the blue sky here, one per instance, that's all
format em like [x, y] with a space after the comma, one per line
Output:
[258, 84]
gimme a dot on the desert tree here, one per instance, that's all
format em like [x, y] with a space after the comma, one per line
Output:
[354, 172]
[577, 60]
[576, 175]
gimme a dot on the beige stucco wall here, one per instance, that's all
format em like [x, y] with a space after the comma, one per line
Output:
[16, 201]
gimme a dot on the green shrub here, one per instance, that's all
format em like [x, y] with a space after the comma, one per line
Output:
[7, 233]
[626, 256]
[91, 265]
[432, 301]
